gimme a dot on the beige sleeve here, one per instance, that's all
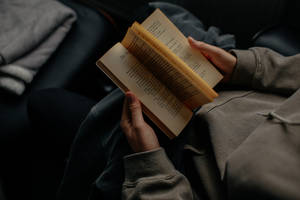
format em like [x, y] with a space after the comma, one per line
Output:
[151, 175]
[264, 69]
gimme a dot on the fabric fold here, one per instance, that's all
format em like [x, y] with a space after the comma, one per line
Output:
[30, 32]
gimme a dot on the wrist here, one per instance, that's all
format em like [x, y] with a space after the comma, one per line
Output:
[147, 164]
[245, 67]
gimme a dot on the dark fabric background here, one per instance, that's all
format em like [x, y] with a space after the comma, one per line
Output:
[241, 18]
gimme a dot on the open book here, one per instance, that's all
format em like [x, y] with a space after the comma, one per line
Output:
[156, 63]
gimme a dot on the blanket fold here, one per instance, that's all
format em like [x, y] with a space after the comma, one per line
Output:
[30, 32]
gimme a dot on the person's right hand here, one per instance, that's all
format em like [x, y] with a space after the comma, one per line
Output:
[223, 60]
[140, 136]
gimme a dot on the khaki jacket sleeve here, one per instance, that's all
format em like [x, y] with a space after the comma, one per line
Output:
[151, 175]
[264, 69]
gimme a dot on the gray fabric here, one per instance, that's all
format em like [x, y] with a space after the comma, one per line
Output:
[266, 165]
[269, 78]
[255, 131]
[232, 117]
[192, 26]
[30, 32]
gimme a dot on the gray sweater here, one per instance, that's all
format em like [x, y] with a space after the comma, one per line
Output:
[255, 134]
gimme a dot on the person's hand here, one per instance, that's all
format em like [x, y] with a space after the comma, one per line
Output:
[223, 60]
[141, 137]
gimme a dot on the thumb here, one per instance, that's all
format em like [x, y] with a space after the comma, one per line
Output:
[135, 109]
[208, 50]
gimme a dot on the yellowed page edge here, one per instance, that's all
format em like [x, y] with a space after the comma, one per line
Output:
[175, 60]
[132, 40]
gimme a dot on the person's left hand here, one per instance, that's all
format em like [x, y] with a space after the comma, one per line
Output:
[141, 137]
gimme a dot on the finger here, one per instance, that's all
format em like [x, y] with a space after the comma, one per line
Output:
[125, 118]
[206, 49]
[125, 113]
[135, 110]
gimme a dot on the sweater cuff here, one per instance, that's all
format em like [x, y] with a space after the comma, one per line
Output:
[147, 164]
[244, 71]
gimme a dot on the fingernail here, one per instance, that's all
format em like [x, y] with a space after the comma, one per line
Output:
[192, 39]
[130, 98]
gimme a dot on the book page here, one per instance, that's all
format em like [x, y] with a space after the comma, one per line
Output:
[144, 46]
[165, 31]
[159, 67]
[161, 106]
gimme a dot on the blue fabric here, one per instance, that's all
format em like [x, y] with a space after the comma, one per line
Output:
[97, 143]
[190, 25]
[95, 165]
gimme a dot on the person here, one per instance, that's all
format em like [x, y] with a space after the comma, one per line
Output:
[253, 128]
[255, 133]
